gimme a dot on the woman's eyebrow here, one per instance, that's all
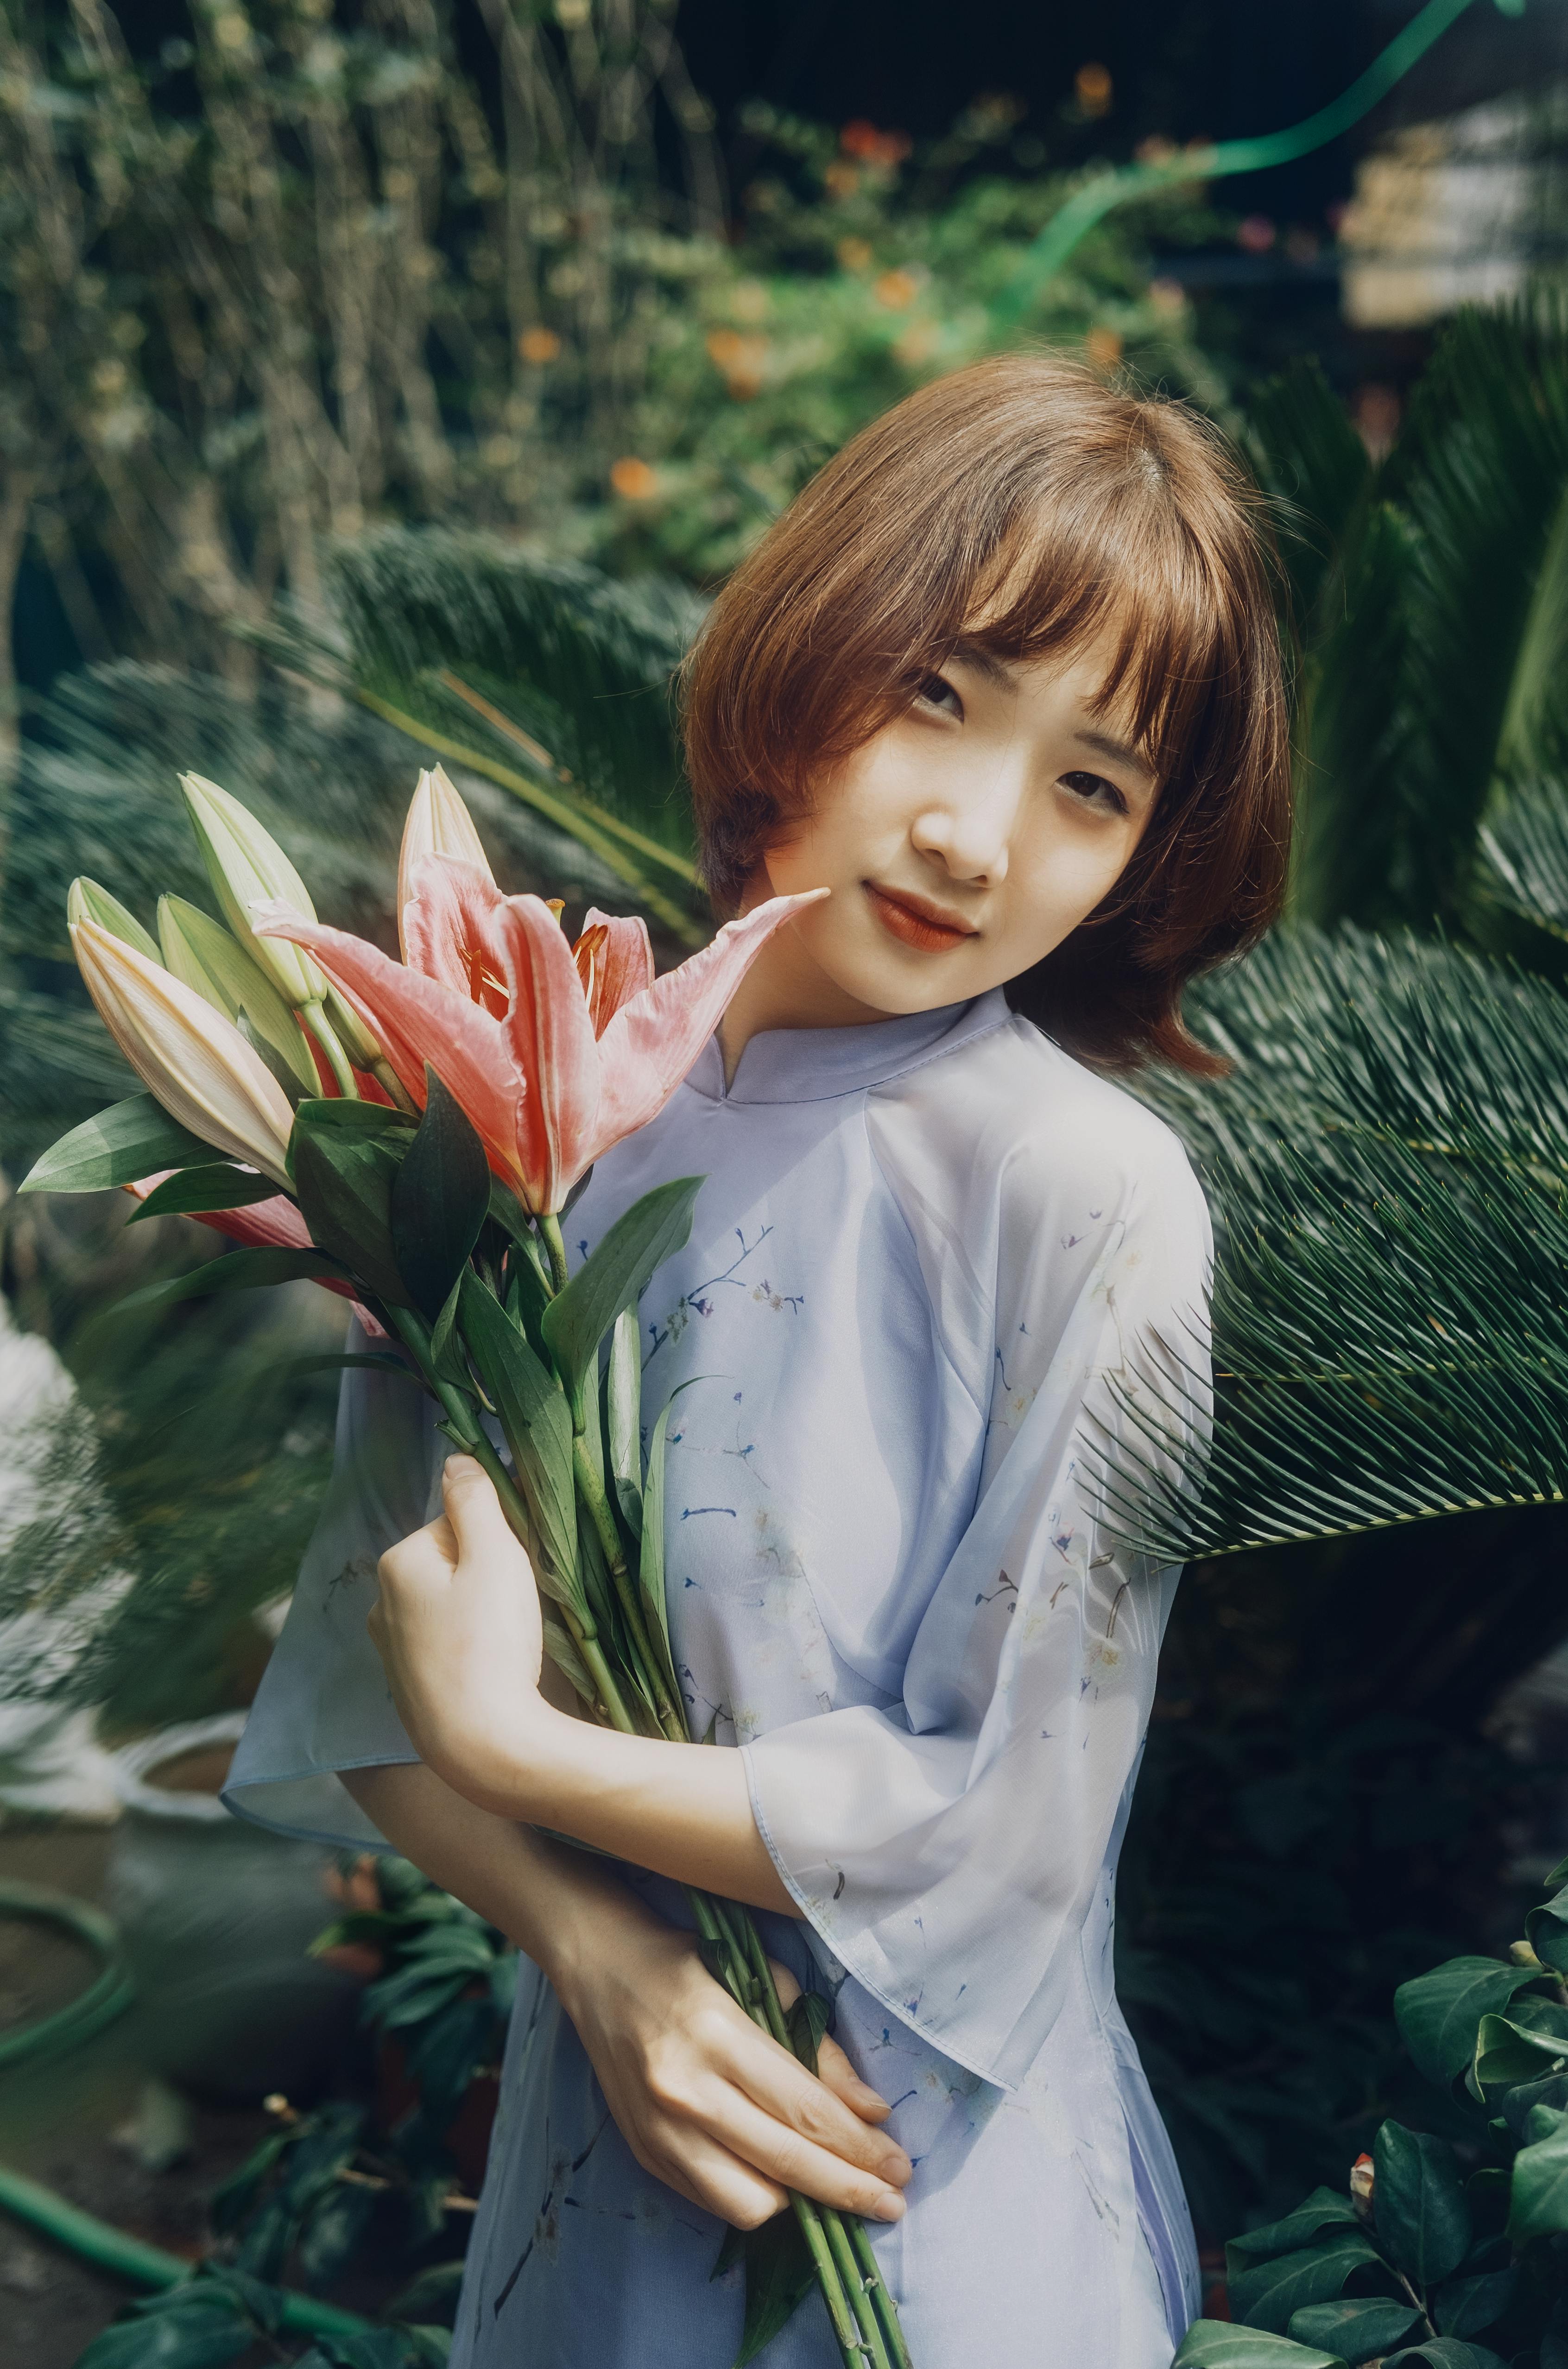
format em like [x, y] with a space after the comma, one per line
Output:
[1121, 752]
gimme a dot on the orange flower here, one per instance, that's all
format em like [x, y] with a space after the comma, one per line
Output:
[1093, 87]
[897, 289]
[539, 346]
[634, 480]
[854, 254]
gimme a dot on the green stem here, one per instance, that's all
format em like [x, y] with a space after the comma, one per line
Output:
[468, 1433]
[877, 2286]
[550, 1234]
[387, 1078]
[590, 1491]
[314, 1015]
[864, 2285]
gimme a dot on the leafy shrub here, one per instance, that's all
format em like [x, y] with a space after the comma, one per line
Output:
[1451, 2247]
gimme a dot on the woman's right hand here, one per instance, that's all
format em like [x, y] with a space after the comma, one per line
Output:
[705, 2101]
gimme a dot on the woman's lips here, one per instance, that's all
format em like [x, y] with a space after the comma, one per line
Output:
[914, 921]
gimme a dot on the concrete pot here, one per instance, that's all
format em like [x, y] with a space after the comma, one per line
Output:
[217, 1918]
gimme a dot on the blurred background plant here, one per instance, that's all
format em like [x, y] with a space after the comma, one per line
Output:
[394, 380]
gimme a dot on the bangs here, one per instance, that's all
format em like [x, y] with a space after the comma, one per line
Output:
[1025, 506]
[1127, 569]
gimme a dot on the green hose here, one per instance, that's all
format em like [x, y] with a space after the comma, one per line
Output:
[106, 1996]
[130, 2257]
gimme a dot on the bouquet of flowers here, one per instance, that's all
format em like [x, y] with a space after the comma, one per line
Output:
[407, 1133]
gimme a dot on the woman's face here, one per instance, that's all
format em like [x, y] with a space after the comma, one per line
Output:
[964, 842]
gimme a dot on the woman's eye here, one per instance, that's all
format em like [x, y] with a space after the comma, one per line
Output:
[935, 691]
[1095, 791]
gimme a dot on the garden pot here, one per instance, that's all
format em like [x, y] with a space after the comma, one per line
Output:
[218, 1916]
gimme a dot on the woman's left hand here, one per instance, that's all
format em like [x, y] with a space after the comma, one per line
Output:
[457, 1626]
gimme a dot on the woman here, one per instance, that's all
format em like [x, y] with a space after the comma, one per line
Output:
[1005, 682]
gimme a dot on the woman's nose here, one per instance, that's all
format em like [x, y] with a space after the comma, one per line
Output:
[970, 835]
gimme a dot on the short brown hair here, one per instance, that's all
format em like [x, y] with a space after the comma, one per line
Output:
[1026, 504]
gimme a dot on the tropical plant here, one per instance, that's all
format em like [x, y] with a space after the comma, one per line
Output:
[311, 271]
[1447, 2250]
[1431, 592]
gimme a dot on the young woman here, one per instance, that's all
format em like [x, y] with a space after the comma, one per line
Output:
[1005, 680]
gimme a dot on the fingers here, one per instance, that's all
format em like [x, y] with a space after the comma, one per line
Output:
[834, 2068]
[714, 2178]
[803, 2112]
[474, 1509]
[783, 2154]
[832, 2065]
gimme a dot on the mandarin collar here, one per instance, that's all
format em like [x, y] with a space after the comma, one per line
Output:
[807, 1064]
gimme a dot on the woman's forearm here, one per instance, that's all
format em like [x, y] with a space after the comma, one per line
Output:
[557, 1905]
[682, 1811]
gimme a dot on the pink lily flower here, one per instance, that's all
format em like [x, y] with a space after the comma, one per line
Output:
[275, 1225]
[554, 1053]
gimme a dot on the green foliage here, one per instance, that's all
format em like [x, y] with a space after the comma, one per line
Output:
[440, 1196]
[1443, 2241]
[1390, 1165]
[579, 1316]
[1431, 596]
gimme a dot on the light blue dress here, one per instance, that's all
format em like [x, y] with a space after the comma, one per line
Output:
[933, 1262]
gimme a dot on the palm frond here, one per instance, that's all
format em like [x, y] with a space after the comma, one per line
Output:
[1316, 470]
[1525, 843]
[1389, 1163]
[1480, 475]
[545, 676]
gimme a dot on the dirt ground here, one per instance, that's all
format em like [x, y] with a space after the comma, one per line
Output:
[75, 2123]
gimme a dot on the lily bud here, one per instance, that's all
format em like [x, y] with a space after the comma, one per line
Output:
[437, 824]
[1362, 2179]
[200, 952]
[86, 901]
[186, 1053]
[247, 867]
[352, 1034]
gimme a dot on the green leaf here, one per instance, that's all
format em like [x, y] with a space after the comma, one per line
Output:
[343, 1181]
[538, 1426]
[195, 2326]
[1360, 2327]
[1468, 2307]
[1440, 2014]
[234, 2198]
[120, 1146]
[1540, 2201]
[237, 1271]
[779, 2277]
[334, 1115]
[807, 2023]
[1325, 2208]
[650, 1560]
[1268, 2296]
[1422, 2211]
[1217, 2344]
[1546, 1930]
[579, 1316]
[191, 1192]
[333, 2228]
[1505, 2054]
[623, 1415]
[441, 1195]
[1446, 2352]
[564, 1654]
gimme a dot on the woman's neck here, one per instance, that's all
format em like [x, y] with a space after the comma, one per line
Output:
[786, 988]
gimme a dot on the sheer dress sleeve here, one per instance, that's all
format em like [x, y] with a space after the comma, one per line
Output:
[947, 1847]
[323, 1704]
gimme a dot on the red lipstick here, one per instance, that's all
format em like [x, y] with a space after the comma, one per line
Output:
[915, 921]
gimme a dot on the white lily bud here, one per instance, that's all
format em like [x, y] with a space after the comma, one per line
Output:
[247, 867]
[86, 901]
[200, 952]
[186, 1053]
[437, 824]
